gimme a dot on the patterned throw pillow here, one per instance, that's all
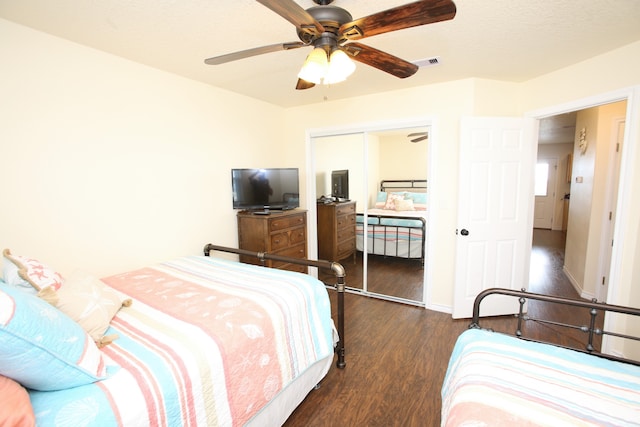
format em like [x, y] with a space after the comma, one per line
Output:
[404, 205]
[41, 347]
[88, 301]
[392, 199]
[23, 272]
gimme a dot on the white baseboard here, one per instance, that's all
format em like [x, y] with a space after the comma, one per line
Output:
[441, 308]
[585, 295]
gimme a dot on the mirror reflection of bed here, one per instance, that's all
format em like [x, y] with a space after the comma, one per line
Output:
[391, 263]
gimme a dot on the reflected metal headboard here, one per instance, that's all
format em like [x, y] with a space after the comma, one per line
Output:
[403, 184]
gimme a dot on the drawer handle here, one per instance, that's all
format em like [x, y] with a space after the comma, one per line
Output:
[277, 240]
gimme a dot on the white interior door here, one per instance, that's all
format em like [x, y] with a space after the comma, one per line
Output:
[494, 211]
[544, 189]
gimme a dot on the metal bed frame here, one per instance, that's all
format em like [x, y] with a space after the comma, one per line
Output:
[403, 184]
[337, 269]
[589, 329]
[398, 184]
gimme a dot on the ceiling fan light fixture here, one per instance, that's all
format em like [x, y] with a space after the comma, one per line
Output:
[340, 67]
[315, 67]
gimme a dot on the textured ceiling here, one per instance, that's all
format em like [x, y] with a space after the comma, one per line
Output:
[511, 40]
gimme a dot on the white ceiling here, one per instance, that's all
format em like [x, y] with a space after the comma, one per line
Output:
[510, 40]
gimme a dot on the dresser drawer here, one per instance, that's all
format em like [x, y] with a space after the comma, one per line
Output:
[346, 248]
[298, 251]
[346, 221]
[286, 222]
[345, 209]
[346, 233]
[287, 238]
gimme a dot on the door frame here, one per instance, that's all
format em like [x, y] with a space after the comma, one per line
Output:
[628, 154]
[608, 224]
[365, 128]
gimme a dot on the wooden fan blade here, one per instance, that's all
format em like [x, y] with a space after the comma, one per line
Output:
[380, 60]
[217, 60]
[303, 84]
[295, 14]
[420, 138]
[407, 16]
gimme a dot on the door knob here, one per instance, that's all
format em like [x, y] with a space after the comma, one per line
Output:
[464, 232]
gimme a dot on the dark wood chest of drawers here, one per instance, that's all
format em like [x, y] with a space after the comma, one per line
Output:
[278, 233]
[336, 230]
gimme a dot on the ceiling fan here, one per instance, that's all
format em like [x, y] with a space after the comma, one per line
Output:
[331, 31]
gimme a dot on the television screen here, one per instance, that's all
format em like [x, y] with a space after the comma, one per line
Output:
[340, 184]
[264, 189]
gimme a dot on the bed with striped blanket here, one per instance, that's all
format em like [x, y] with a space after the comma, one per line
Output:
[206, 342]
[392, 233]
[499, 380]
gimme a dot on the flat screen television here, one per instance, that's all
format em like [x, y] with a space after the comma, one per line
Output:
[340, 184]
[265, 189]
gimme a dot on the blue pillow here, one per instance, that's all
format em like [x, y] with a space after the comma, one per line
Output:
[41, 347]
[419, 200]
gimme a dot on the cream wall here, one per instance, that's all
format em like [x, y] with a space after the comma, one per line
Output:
[109, 165]
[582, 185]
[337, 153]
[588, 207]
[402, 159]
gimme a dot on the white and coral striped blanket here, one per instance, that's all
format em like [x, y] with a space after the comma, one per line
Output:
[499, 380]
[205, 342]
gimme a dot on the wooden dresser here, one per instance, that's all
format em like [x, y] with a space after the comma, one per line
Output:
[336, 230]
[278, 233]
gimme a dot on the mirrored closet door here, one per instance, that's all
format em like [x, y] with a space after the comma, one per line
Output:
[371, 209]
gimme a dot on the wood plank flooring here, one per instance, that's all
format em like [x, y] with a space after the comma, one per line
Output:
[382, 276]
[397, 354]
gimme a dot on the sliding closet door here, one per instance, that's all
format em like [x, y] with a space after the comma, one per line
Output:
[395, 259]
[370, 157]
[343, 152]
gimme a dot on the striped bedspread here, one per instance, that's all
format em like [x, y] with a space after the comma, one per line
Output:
[206, 342]
[386, 217]
[499, 380]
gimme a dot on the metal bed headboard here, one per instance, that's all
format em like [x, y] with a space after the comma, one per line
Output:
[400, 184]
[591, 330]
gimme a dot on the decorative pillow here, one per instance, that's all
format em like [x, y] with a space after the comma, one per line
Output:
[23, 272]
[404, 205]
[88, 301]
[11, 277]
[15, 397]
[381, 200]
[41, 347]
[392, 199]
[419, 200]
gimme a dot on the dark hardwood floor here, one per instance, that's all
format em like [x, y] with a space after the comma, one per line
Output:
[397, 354]
[382, 276]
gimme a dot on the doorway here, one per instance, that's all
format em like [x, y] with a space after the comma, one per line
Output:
[587, 145]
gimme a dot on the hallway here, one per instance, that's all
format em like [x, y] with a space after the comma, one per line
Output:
[547, 259]
[547, 277]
